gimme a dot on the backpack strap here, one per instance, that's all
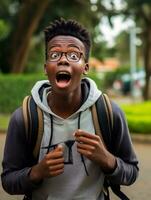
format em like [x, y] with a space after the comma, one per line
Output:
[33, 120]
[96, 123]
[103, 122]
[102, 115]
[25, 114]
[40, 132]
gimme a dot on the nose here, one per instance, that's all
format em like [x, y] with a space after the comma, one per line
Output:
[63, 60]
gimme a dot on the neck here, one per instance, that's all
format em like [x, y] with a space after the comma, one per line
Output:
[65, 105]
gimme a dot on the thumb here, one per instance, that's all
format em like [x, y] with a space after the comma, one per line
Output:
[59, 148]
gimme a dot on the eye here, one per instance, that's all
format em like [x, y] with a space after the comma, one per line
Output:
[54, 55]
[74, 55]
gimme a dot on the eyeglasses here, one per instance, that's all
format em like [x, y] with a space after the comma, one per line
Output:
[71, 56]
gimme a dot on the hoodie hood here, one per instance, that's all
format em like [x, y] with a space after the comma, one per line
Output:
[89, 91]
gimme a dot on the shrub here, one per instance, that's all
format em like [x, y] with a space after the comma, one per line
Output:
[13, 88]
[4, 119]
[98, 80]
[138, 117]
[139, 124]
[110, 77]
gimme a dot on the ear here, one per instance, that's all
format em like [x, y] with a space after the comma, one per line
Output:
[86, 69]
[45, 69]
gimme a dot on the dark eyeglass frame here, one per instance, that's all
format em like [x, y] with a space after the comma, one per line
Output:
[66, 55]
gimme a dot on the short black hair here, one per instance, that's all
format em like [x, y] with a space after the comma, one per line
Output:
[68, 27]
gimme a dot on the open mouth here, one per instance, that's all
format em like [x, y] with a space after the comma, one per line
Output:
[63, 78]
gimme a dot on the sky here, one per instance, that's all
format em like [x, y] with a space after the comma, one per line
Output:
[110, 33]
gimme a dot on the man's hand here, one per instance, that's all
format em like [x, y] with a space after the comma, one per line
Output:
[51, 165]
[92, 147]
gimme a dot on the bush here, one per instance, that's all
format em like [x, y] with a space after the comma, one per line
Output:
[110, 77]
[138, 117]
[98, 80]
[139, 124]
[13, 89]
[139, 109]
[4, 120]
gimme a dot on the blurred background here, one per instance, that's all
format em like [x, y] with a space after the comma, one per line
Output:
[120, 61]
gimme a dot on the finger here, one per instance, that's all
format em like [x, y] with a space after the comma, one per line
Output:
[85, 152]
[80, 133]
[54, 155]
[57, 172]
[58, 148]
[85, 147]
[56, 167]
[55, 161]
[88, 141]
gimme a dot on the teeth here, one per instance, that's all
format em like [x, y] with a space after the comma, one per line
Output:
[64, 73]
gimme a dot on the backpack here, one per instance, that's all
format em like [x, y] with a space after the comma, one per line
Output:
[102, 116]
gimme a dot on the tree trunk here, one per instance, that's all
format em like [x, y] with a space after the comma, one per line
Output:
[147, 61]
[28, 19]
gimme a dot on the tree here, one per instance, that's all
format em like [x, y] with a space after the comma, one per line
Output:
[141, 13]
[28, 18]
[22, 32]
[122, 46]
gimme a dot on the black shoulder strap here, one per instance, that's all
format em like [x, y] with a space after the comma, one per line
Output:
[105, 118]
[102, 115]
[33, 120]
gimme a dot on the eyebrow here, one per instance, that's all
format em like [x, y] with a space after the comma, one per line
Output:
[58, 45]
[73, 45]
[54, 46]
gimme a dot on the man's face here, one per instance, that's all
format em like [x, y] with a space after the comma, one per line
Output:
[65, 63]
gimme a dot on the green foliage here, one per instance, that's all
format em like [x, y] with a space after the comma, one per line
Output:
[123, 47]
[110, 77]
[4, 119]
[139, 124]
[36, 57]
[138, 117]
[4, 29]
[13, 89]
[139, 109]
[10, 11]
[98, 80]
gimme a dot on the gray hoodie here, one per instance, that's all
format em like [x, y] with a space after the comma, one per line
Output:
[74, 182]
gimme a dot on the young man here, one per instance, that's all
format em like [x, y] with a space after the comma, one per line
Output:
[73, 160]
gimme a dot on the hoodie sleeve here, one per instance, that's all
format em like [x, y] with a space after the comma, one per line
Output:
[127, 169]
[17, 161]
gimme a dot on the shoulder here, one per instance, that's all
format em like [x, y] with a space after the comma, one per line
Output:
[120, 125]
[16, 123]
[117, 111]
[17, 116]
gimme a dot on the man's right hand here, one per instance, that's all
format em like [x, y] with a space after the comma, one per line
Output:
[51, 165]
